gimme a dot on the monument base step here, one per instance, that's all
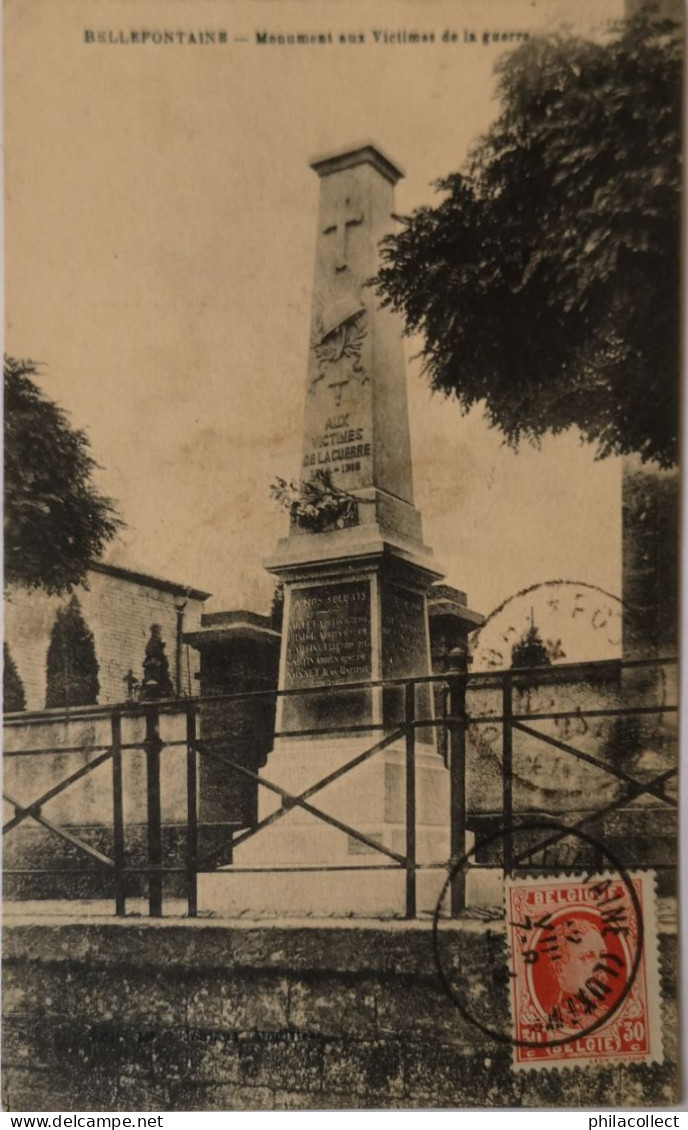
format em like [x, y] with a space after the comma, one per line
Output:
[362, 892]
[369, 800]
[309, 841]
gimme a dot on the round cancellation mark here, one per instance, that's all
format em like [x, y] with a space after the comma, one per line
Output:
[574, 947]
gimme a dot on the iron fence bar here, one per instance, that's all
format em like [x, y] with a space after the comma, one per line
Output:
[354, 832]
[310, 791]
[507, 773]
[440, 865]
[323, 783]
[477, 678]
[443, 715]
[63, 834]
[409, 714]
[364, 728]
[162, 869]
[430, 723]
[555, 669]
[632, 794]
[125, 746]
[420, 723]
[35, 806]
[288, 868]
[457, 791]
[163, 744]
[324, 816]
[619, 773]
[54, 749]
[192, 814]
[141, 745]
[319, 733]
[52, 871]
[388, 740]
[152, 746]
[615, 712]
[118, 815]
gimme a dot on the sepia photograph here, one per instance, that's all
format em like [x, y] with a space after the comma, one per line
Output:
[342, 405]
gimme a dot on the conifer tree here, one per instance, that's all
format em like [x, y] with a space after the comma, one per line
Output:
[72, 663]
[13, 697]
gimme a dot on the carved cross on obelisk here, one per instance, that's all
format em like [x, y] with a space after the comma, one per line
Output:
[338, 390]
[347, 213]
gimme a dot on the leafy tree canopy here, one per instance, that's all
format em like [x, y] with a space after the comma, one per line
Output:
[56, 522]
[546, 282]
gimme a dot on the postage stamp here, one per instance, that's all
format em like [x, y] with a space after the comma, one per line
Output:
[584, 981]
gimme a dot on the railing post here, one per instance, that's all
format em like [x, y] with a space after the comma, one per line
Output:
[153, 745]
[410, 719]
[507, 771]
[118, 814]
[192, 814]
[457, 787]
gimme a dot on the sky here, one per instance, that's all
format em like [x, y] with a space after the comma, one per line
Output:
[161, 224]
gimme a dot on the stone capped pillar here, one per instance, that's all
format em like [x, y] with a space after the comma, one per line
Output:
[355, 591]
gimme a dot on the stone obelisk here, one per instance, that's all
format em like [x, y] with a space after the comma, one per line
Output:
[355, 604]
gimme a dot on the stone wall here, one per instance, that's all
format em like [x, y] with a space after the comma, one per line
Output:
[223, 1016]
[545, 779]
[85, 808]
[551, 782]
[119, 608]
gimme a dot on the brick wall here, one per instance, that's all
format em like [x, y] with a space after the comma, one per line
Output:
[119, 611]
[225, 1016]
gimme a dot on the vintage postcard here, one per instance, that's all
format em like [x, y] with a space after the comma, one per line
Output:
[341, 554]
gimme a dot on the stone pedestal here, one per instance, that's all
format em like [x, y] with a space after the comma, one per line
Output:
[371, 799]
[350, 619]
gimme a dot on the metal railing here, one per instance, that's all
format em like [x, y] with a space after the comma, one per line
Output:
[453, 717]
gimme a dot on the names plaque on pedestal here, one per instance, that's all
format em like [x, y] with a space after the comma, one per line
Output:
[404, 652]
[328, 643]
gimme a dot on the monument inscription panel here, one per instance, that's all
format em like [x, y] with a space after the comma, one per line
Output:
[329, 635]
[405, 651]
[328, 643]
[404, 645]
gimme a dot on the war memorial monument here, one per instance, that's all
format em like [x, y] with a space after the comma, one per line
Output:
[355, 595]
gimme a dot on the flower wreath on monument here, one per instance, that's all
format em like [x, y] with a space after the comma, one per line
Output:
[316, 504]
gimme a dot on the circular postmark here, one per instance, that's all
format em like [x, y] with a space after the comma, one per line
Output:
[574, 945]
[561, 642]
[552, 622]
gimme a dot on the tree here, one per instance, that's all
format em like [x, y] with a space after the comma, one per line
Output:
[13, 696]
[72, 666]
[546, 282]
[530, 651]
[56, 522]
